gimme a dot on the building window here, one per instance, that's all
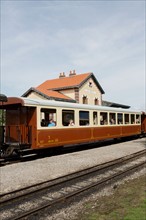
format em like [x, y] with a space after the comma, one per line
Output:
[96, 101]
[90, 84]
[85, 100]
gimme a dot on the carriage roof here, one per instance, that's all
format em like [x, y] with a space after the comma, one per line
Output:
[52, 103]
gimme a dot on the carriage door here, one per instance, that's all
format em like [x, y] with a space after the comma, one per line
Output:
[32, 125]
[27, 126]
[143, 123]
[12, 125]
[16, 125]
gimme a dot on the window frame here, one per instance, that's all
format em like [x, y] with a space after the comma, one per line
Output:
[50, 114]
[104, 120]
[70, 114]
[84, 121]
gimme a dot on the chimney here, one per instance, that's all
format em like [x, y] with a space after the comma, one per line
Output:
[62, 75]
[72, 73]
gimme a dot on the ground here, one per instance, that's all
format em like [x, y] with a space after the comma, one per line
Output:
[128, 202]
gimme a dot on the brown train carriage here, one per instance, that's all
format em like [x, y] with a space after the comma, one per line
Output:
[27, 124]
[143, 123]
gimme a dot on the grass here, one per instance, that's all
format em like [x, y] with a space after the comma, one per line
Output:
[138, 213]
[128, 202]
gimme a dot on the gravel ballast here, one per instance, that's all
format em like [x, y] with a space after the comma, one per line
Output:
[23, 174]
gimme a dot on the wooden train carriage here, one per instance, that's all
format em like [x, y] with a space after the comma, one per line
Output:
[143, 123]
[18, 125]
[91, 123]
[28, 125]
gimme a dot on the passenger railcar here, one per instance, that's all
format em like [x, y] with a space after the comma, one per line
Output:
[26, 124]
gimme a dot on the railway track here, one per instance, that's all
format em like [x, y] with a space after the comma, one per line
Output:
[26, 202]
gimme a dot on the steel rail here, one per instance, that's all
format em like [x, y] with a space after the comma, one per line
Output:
[45, 184]
[91, 170]
[23, 192]
[78, 191]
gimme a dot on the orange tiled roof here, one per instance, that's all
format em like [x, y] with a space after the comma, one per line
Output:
[64, 82]
[55, 94]
[53, 87]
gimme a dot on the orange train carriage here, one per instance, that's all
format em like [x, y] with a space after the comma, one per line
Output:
[26, 124]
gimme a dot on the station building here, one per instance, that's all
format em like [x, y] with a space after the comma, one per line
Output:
[80, 88]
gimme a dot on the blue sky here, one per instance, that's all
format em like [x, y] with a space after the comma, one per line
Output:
[40, 39]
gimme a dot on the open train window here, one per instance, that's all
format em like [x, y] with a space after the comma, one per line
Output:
[95, 118]
[112, 118]
[132, 119]
[103, 118]
[126, 118]
[137, 119]
[48, 117]
[67, 116]
[83, 118]
[120, 118]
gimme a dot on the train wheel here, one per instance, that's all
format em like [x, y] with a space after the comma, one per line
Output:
[9, 151]
[1, 154]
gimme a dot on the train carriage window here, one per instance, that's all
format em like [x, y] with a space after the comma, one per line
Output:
[132, 119]
[126, 118]
[137, 119]
[95, 119]
[48, 117]
[67, 116]
[120, 118]
[83, 118]
[103, 118]
[112, 118]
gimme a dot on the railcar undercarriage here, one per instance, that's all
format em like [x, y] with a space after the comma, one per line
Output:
[11, 150]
